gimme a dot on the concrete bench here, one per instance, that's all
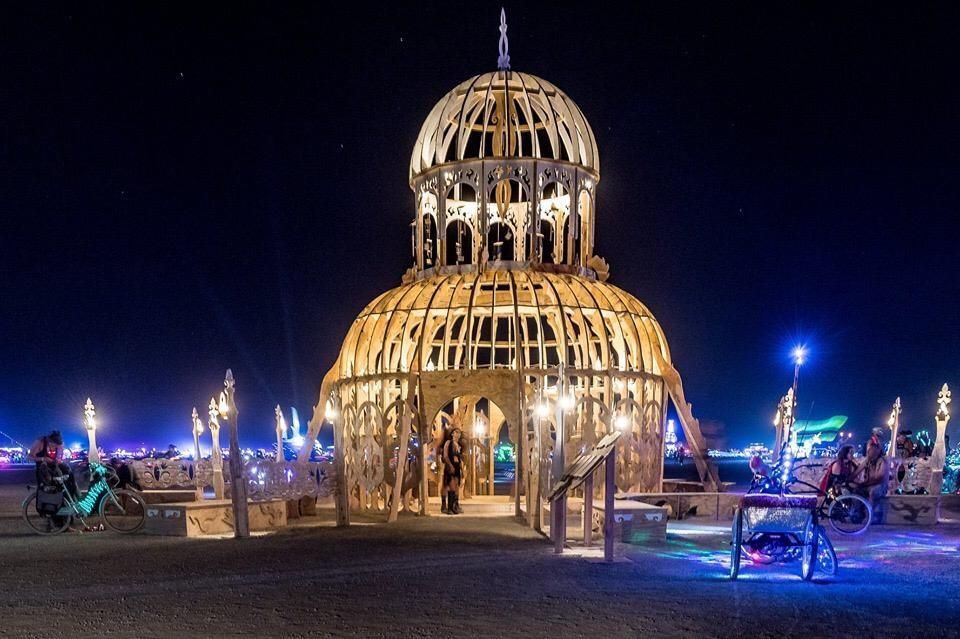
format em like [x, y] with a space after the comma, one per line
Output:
[211, 517]
[635, 521]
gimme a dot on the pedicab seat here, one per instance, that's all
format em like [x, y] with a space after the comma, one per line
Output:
[804, 502]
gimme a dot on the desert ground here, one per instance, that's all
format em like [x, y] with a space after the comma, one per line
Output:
[445, 576]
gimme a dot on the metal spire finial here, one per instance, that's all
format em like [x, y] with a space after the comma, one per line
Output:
[503, 62]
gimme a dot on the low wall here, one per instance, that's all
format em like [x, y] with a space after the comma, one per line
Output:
[906, 510]
[267, 478]
[687, 505]
[196, 519]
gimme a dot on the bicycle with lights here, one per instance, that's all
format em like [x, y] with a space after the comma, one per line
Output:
[772, 525]
[845, 511]
[50, 509]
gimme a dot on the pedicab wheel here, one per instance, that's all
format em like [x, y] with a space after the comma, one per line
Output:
[43, 524]
[810, 545]
[826, 555]
[737, 534]
[124, 511]
[850, 514]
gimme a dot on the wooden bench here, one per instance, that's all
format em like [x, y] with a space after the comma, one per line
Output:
[635, 521]
[211, 517]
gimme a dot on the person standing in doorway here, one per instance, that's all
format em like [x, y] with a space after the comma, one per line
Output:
[442, 468]
[453, 470]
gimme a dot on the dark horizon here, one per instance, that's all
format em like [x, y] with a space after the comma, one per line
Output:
[188, 188]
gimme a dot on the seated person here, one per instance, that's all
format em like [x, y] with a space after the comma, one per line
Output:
[873, 476]
[905, 447]
[47, 452]
[840, 470]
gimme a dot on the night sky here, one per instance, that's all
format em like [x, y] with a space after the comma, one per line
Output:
[187, 187]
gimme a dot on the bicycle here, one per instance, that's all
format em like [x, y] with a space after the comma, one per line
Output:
[847, 512]
[775, 534]
[770, 528]
[49, 510]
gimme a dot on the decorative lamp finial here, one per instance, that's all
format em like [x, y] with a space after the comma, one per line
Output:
[943, 399]
[91, 414]
[503, 62]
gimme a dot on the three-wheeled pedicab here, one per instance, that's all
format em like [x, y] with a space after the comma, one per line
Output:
[770, 528]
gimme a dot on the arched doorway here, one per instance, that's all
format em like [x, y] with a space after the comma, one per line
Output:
[487, 448]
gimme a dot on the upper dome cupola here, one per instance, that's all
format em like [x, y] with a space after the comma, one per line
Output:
[504, 170]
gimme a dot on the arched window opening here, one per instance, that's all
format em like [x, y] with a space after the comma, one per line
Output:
[500, 241]
[459, 243]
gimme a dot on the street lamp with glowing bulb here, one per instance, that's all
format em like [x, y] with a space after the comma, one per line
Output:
[90, 421]
[197, 430]
[238, 487]
[281, 430]
[216, 455]
[799, 355]
[330, 412]
[224, 408]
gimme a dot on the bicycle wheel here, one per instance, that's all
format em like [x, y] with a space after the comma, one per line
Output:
[737, 534]
[850, 514]
[123, 511]
[43, 524]
[810, 548]
[826, 555]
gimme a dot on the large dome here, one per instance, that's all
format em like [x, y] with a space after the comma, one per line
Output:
[470, 321]
[505, 325]
[541, 123]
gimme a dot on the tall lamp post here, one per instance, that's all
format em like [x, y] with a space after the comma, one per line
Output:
[238, 478]
[939, 454]
[281, 429]
[894, 424]
[565, 403]
[216, 455]
[479, 435]
[543, 411]
[197, 430]
[90, 421]
[799, 357]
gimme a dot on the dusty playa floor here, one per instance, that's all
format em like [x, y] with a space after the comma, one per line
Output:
[468, 577]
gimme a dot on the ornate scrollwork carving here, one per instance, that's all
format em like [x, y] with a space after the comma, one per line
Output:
[268, 478]
[557, 174]
[600, 267]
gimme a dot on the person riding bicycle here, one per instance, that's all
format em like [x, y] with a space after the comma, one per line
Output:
[47, 452]
[840, 471]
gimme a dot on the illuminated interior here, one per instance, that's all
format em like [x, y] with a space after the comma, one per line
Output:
[505, 306]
